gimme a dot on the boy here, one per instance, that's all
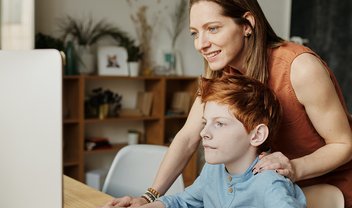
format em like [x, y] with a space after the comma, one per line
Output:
[239, 113]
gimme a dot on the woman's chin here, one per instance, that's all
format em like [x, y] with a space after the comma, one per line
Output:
[216, 67]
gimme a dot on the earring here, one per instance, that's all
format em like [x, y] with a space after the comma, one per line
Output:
[248, 34]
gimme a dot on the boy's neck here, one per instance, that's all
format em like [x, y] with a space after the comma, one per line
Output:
[240, 165]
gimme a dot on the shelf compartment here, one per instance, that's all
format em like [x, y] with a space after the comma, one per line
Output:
[119, 119]
[114, 148]
[71, 142]
[70, 101]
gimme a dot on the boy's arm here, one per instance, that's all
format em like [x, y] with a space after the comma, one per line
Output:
[191, 197]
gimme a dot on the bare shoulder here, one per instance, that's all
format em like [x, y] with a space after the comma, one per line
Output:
[308, 72]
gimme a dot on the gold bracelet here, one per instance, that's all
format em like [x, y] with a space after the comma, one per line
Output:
[154, 192]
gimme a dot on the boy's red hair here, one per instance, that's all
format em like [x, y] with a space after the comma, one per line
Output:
[250, 101]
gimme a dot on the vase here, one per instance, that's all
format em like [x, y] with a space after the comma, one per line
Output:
[86, 62]
[133, 68]
[103, 111]
[178, 66]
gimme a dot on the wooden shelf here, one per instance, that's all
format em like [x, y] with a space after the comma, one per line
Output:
[131, 118]
[157, 128]
[114, 148]
[71, 163]
[170, 117]
[70, 121]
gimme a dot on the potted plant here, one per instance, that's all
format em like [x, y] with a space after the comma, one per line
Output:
[102, 103]
[86, 32]
[134, 56]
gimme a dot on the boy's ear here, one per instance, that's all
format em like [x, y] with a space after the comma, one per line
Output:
[259, 134]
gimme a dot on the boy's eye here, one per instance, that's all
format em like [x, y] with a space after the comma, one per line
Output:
[219, 124]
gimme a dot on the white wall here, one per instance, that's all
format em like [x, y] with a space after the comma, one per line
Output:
[48, 13]
[278, 13]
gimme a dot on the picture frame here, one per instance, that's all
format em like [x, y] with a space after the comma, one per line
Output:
[112, 60]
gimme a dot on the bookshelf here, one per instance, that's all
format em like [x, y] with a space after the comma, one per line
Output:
[157, 128]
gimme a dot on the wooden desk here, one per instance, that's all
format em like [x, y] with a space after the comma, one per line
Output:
[79, 195]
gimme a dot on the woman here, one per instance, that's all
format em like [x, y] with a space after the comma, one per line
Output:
[314, 143]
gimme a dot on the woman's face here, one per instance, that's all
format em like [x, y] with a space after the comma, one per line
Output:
[217, 38]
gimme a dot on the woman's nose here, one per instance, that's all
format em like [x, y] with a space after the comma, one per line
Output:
[202, 42]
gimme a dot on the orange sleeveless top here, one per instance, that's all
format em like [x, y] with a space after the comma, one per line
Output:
[297, 137]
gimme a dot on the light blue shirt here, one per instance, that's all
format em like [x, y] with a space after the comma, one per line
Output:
[216, 188]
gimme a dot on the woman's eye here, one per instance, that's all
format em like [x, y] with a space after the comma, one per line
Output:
[194, 34]
[213, 29]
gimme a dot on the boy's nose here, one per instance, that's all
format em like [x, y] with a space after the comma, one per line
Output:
[205, 133]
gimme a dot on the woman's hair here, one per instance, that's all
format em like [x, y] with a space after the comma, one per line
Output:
[262, 38]
[250, 101]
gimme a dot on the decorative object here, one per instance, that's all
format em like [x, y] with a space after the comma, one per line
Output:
[112, 60]
[180, 105]
[143, 106]
[86, 59]
[134, 56]
[178, 20]
[133, 137]
[102, 103]
[85, 33]
[144, 32]
[70, 59]
[133, 68]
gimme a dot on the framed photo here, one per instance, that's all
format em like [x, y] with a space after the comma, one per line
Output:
[112, 60]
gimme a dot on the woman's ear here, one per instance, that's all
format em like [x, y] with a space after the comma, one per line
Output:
[248, 29]
[259, 134]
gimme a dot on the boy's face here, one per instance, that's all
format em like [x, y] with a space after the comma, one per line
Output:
[225, 139]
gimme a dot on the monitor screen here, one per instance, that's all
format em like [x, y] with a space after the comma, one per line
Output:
[31, 129]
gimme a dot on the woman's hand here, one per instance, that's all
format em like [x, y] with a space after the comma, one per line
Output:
[275, 161]
[125, 201]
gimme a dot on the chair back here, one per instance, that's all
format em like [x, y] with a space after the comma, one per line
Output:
[324, 196]
[133, 170]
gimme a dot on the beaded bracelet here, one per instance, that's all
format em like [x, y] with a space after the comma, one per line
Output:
[146, 198]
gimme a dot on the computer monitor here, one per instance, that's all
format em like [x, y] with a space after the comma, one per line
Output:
[31, 129]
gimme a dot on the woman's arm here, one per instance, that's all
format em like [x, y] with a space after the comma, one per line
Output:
[181, 149]
[314, 89]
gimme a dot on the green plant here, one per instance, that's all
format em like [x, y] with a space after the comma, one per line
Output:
[134, 52]
[88, 32]
[98, 97]
[46, 41]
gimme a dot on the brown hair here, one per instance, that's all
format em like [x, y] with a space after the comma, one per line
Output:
[262, 38]
[250, 101]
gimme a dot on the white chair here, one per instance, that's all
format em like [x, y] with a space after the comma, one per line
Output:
[134, 169]
[324, 196]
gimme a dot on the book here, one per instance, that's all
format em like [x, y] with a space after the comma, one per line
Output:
[180, 103]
